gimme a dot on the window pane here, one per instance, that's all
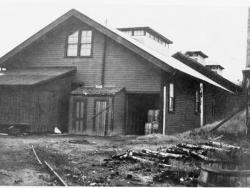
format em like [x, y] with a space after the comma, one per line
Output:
[73, 38]
[128, 32]
[171, 97]
[85, 50]
[171, 90]
[86, 37]
[139, 33]
[171, 104]
[72, 50]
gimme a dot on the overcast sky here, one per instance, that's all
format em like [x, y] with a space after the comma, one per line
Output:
[218, 28]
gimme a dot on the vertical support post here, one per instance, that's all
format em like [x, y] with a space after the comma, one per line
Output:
[201, 105]
[247, 103]
[164, 110]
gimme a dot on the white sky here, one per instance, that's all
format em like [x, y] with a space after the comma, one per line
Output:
[218, 28]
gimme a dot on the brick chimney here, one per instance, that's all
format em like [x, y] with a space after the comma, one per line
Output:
[246, 71]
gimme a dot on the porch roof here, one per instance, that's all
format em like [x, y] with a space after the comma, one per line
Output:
[97, 91]
[32, 76]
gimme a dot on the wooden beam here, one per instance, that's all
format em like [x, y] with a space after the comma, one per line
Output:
[104, 60]
[164, 110]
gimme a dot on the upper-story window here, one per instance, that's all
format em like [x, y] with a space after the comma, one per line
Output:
[139, 33]
[73, 44]
[86, 43]
[128, 32]
[79, 44]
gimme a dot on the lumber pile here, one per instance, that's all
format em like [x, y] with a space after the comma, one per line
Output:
[183, 151]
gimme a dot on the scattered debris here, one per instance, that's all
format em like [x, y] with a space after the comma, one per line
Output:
[18, 129]
[57, 131]
[3, 134]
[80, 142]
[181, 153]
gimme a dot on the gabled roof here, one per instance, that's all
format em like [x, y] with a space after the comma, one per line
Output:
[168, 64]
[149, 30]
[33, 76]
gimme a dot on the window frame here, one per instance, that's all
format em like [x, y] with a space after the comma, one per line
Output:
[79, 44]
[197, 103]
[169, 92]
[67, 44]
[91, 43]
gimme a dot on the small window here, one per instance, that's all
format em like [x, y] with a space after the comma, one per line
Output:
[128, 33]
[79, 44]
[73, 44]
[171, 98]
[197, 101]
[139, 33]
[86, 43]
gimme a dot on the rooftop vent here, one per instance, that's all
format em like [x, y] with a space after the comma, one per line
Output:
[149, 38]
[216, 68]
[199, 56]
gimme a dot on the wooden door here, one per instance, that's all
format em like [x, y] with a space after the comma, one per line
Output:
[79, 116]
[101, 118]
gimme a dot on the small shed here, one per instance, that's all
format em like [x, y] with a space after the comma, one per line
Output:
[35, 96]
[97, 111]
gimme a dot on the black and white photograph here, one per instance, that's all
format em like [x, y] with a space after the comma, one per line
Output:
[125, 93]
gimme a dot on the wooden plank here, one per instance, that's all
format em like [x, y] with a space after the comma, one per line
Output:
[39, 161]
[55, 173]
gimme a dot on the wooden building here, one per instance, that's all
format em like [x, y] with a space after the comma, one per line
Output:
[36, 97]
[120, 75]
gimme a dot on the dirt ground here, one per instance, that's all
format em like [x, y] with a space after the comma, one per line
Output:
[78, 159]
[82, 160]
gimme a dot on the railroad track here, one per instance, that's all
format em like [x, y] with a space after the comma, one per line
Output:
[49, 167]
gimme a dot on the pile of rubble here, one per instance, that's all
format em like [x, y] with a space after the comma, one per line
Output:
[172, 161]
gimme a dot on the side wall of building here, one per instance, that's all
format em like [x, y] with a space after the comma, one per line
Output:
[184, 116]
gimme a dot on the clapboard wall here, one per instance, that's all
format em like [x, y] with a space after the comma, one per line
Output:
[184, 116]
[42, 107]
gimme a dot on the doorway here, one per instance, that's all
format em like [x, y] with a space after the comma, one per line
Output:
[137, 111]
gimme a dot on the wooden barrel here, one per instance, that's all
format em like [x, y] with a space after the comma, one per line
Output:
[151, 115]
[155, 127]
[157, 115]
[223, 175]
[148, 128]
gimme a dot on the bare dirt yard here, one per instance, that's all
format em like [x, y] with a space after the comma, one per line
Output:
[87, 160]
